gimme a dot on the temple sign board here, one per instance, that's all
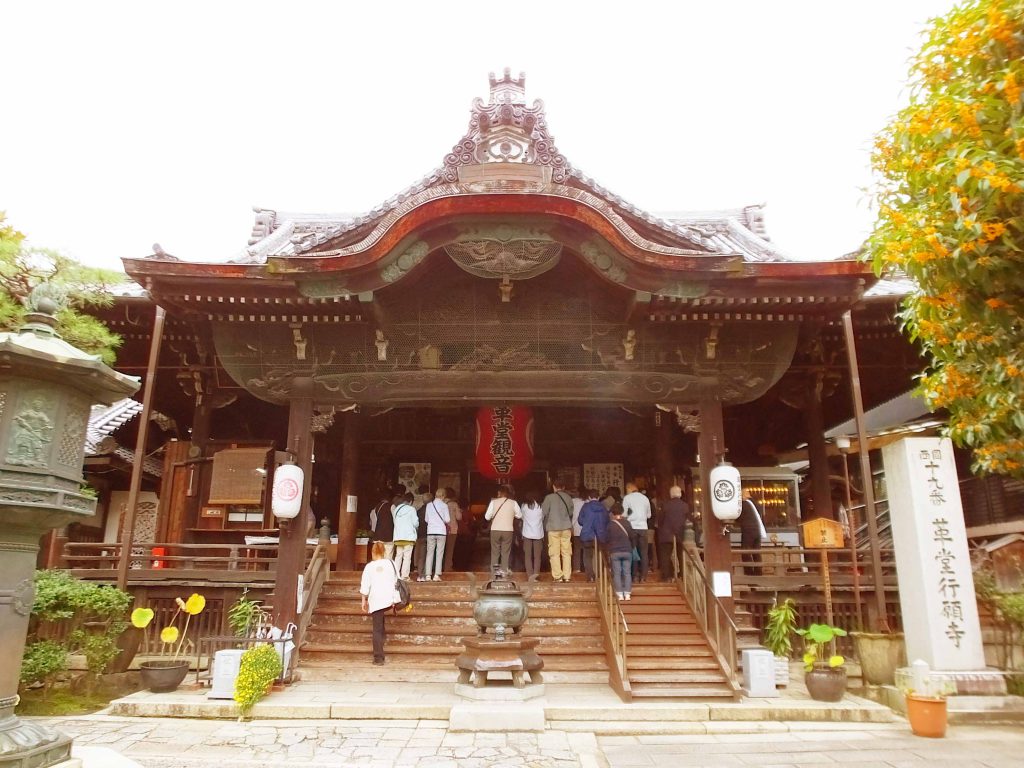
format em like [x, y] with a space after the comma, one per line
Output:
[940, 612]
[822, 533]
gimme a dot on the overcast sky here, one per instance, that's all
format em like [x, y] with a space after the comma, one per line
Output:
[132, 123]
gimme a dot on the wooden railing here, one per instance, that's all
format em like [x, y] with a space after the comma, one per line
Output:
[616, 630]
[789, 569]
[318, 572]
[231, 563]
[713, 619]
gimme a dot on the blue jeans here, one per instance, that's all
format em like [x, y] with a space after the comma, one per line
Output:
[622, 578]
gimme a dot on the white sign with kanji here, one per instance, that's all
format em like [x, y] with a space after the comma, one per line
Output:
[940, 615]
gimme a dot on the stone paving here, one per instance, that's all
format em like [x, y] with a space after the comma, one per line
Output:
[167, 743]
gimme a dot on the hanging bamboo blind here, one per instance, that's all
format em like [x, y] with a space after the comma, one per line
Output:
[239, 476]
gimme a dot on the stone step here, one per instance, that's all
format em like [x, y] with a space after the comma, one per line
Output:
[393, 672]
[579, 644]
[675, 677]
[691, 664]
[537, 610]
[452, 629]
[315, 650]
[646, 691]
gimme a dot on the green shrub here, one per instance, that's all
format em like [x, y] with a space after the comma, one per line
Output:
[94, 615]
[258, 668]
[42, 661]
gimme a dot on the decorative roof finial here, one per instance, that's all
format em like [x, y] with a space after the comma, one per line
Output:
[43, 304]
[508, 90]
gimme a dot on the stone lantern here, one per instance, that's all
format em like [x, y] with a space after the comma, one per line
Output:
[47, 388]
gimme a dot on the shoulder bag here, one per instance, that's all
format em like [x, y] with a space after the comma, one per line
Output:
[402, 600]
[636, 552]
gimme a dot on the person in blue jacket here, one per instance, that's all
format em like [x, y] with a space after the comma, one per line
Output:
[593, 524]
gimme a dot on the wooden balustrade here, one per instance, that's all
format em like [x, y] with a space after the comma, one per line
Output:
[714, 620]
[616, 630]
[230, 562]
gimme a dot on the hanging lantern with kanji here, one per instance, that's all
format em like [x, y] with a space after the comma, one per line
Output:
[504, 441]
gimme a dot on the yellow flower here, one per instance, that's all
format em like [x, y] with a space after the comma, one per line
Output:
[169, 635]
[194, 604]
[141, 617]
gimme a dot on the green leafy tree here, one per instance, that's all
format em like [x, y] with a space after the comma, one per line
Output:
[951, 216]
[22, 268]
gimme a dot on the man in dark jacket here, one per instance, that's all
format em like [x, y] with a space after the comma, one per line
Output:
[671, 528]
[751, 532]
[593, 527]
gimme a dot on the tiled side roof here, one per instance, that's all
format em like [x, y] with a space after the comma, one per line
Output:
[104, 420]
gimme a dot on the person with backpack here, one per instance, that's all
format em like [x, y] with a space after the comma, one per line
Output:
[437, 517]
[593, 529]
[557, 508]
[406, 523]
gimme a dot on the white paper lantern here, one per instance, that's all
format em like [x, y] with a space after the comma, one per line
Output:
[287, 496]
[726, 501]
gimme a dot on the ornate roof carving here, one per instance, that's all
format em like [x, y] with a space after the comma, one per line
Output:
[509, 148]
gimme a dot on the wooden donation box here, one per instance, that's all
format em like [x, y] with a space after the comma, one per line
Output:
[822, 533]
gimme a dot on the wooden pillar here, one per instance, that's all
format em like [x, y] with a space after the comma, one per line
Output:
[348, 517]
[817, 453]
[711, 445]
[291, 552]
[201, 422]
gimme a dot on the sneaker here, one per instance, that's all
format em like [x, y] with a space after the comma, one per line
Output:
[420, 578]
[620, 595]
[436, 578]
[378, 662]
[628, 597]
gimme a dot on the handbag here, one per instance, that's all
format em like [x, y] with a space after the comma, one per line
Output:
[402, 600]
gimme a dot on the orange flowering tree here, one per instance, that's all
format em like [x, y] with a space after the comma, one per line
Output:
[951, 216]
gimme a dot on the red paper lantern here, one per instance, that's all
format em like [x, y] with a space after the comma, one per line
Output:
[504, 441]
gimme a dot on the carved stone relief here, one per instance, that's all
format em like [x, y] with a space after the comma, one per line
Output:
[72, 441]
[32, 430]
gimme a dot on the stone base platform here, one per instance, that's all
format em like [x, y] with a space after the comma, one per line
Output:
[566, 706]
[495, 691]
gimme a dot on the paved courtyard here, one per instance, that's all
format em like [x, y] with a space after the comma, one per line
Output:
[170, 743]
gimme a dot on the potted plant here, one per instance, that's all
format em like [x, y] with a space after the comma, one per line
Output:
[258, 668]
[879, 654]
[362, 554]
[925, 698]
[778, 634]
[247, 617]
[824, 673]
[166, 674]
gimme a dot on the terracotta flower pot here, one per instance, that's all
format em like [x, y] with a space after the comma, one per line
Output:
[163, 676]
[927, 716]
[825, 683]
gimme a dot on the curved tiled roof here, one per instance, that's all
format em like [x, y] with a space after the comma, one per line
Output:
[505, 133]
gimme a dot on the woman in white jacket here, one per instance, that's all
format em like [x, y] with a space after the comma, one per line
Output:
[377, 588]
[406, 523]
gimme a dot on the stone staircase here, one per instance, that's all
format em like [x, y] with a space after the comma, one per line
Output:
[667, 654]
[422, 645]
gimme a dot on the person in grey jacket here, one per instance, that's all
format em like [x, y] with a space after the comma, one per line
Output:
[557, 509]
